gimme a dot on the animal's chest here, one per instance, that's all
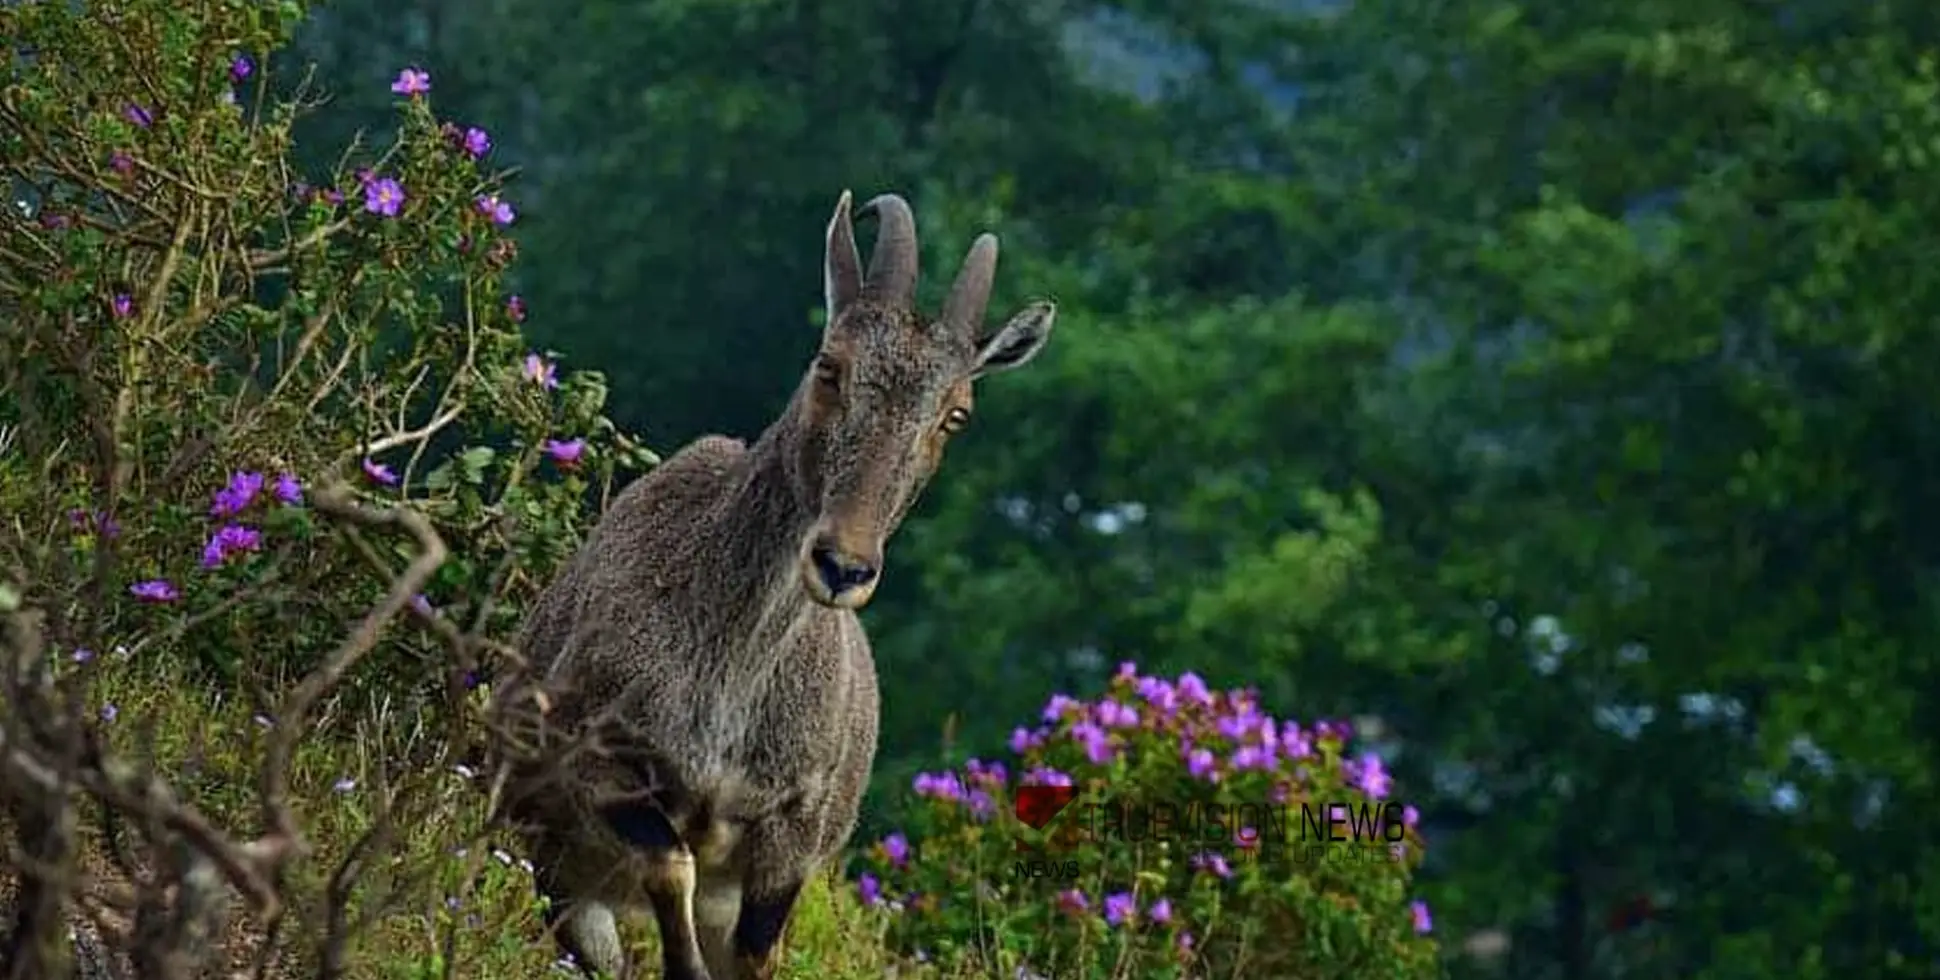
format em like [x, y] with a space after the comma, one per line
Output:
[766, 715]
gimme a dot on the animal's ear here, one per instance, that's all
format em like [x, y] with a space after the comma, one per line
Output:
[841, 263]
[1019, 340]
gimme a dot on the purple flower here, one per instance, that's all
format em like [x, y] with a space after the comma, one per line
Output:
[122, 163]
[288, 490]
[237, 495]
[232, 538]
[1098, 747]
[155, 590]
[941, 786]
[981, 806]
[1200, 764]
[383, 196]
[1111, 714]
[491, 207]
[332, 196]
[896, 848]
[515, 308]
[422, 605]
[1236, 727]
[869, 889]
[1161, 911]
[1295, 742]
[987, 773]
[379, 473]
[564, 453]
[138, 115]
[1410, 816]
[1073, 900]
[1418, 911]
[411, 81]
[1369, 777]
[1120, 908]
[1045, 776]
[241, 67]
[1208, 861]
[83, 655]
[476, 142]
[1058, 706]
[540, 371]
[1262, 757]
[122, 305]
[108, 712]
[1022, 741]
[1159, 693]
[1193, 690]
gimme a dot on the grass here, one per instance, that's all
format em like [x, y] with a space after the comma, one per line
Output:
[440, 887]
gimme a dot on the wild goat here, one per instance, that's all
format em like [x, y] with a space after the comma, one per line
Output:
[708, 627]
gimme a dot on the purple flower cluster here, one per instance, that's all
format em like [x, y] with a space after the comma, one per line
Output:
[1217, 734]
[231, 502]
[539, 371]
[385, 195]
[974, 791]
[1211, 737]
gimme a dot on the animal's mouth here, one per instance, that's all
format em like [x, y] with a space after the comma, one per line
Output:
[816, 582]
[839, 576]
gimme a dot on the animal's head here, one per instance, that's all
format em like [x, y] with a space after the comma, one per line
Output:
[888, 389]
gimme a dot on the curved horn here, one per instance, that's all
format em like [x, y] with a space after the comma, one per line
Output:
[964, 308]
[841, 265]
[892, 266]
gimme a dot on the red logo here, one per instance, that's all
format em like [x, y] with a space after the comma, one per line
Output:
[1037, 806]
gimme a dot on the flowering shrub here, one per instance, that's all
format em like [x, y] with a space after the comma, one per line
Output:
[1142, 875]
[224, 385]
[196, 334]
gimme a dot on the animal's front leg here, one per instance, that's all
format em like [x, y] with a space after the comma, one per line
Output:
[757, 936]
[670, 888]
[781, 854]
[669, 883]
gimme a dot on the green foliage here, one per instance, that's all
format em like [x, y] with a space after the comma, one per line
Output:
[1160, 873]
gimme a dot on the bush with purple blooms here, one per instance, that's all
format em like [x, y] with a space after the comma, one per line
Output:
[198, 341]
[198, 334]
[1185, 898]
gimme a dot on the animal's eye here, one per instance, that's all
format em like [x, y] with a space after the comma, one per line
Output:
[828, 372]
[955, 419]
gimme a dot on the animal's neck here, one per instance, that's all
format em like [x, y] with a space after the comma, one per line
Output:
[763, 527]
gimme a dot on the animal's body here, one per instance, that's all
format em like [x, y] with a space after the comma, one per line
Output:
[707, 630]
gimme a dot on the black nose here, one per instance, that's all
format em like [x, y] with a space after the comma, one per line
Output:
[841, 572]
